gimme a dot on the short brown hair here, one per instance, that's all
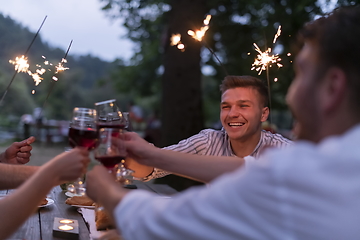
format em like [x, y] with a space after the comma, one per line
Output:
[337, 37]
[230, 82]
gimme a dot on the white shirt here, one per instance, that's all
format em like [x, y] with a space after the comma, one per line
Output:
[217, 143]
[305, 191]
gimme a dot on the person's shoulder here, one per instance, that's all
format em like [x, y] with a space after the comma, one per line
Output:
[275, 138]
[290, 156]
[212, 132]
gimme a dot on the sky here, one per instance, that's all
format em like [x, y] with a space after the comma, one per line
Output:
[82, 21]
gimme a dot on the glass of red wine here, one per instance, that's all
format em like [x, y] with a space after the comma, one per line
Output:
[110, 117]
[83, 133]
[123, 174]
[110, 150]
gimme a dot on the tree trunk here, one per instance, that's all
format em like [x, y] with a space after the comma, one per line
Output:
[182, 114]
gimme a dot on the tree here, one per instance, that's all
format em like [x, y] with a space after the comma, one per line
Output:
[181, 87]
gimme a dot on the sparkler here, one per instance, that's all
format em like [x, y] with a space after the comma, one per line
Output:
[199, 35]
[175, 40]
[266, 59]
[59, 68]
[21, 64]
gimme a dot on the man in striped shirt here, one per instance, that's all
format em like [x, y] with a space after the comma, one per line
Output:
[244, 107]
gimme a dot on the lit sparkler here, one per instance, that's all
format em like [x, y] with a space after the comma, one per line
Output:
[266, 59]
[21, 64]
[175, 40]
[199, 35]
[59, 68]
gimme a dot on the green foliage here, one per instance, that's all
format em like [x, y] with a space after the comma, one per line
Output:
[145, 21]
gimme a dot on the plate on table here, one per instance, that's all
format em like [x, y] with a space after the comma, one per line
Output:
[49, 202]
[70, 194]
[83, 206]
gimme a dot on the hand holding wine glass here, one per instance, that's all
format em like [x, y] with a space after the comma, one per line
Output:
[110, 151]
[83, 133]
[110, 117]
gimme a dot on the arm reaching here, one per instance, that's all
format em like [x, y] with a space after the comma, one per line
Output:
[23, 202]
[18, 152]
[103, 189]
[12, 176]
[198, 167]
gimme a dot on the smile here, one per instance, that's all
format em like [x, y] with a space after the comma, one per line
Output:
[236, 124]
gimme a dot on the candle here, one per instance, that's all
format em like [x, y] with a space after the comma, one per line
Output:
[66, 221]
[66, 227]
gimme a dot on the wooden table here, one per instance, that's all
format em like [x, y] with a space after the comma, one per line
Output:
[40, 224]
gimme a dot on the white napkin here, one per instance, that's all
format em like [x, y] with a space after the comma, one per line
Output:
[89, 216]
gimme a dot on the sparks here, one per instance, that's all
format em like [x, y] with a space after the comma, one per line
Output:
[60, 67]
[37, 78]
[199, 34]
[21, 64]
[181, 47]
[175, 39]
[265, 59]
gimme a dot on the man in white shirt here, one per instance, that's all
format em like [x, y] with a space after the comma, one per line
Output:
[309, 190]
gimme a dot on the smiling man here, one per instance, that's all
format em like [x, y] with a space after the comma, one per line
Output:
[243, 108]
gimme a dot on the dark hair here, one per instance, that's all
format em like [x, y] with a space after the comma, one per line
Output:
[230, 82]
[337, 37]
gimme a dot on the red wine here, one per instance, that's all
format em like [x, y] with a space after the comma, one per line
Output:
[110, 125]
[83, 137]
[109, 161]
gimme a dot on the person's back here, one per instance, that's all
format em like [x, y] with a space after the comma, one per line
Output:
[307, 191]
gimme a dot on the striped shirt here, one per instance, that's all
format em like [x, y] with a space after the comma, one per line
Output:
[217, 143]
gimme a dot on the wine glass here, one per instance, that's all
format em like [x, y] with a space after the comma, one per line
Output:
[110, 150]
[109, 116]
[124, 174]
[82, 132]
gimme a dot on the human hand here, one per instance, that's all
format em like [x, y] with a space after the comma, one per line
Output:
[68, 166]
[137, 148]
[18, 152]
[99, 183]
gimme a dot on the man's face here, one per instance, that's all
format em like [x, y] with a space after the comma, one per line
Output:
[242, 113]
[303, 94]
